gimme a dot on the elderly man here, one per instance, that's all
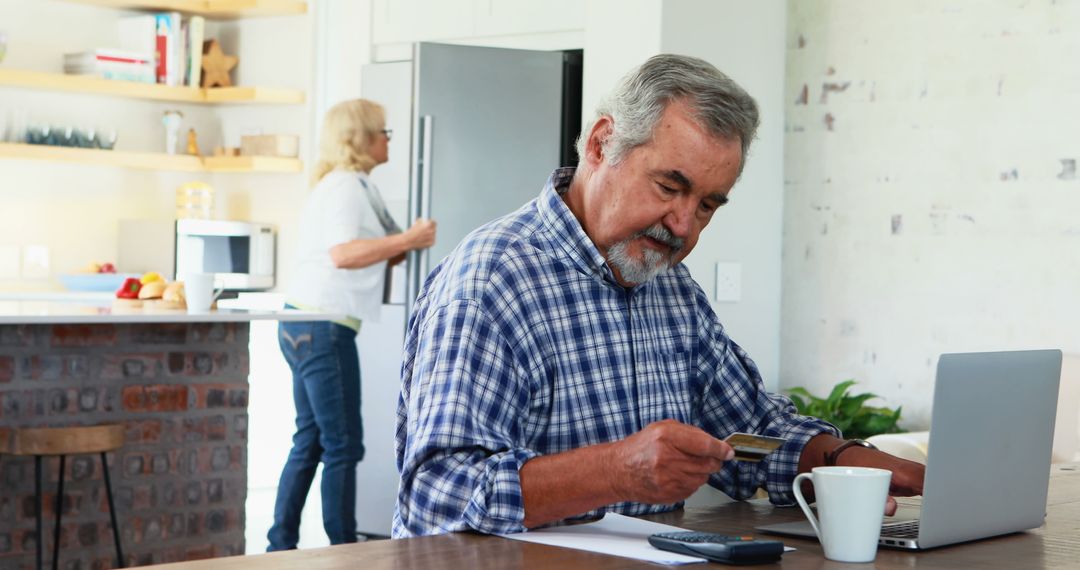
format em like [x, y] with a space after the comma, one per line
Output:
[562, 362]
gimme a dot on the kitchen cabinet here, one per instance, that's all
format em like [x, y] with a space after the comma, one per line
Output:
[398, 21]
[500, 18]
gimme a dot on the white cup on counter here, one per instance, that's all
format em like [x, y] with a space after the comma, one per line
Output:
[200, 291]
[850, 506]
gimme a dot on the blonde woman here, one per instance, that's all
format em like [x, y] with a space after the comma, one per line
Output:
[346, 240]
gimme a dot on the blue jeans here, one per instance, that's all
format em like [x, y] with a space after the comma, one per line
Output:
[326, 391]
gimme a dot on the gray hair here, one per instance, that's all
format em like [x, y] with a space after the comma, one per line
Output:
[719, 104]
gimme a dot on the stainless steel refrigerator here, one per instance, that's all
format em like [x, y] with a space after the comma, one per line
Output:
[476, 131]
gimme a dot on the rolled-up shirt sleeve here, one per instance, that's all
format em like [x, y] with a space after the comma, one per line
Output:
[735, 400]
[459, 428]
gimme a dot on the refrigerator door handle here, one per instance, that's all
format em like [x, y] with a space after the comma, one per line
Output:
[426, 125]
[419, 207]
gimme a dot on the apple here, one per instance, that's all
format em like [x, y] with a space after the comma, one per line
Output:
[107, 268]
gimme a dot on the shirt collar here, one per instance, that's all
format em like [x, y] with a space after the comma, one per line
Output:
[571, 237]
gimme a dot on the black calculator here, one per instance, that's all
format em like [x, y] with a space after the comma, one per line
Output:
[719, 547]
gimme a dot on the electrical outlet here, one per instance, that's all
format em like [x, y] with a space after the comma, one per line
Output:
[728, 282]
[35, 262]
[9, 262]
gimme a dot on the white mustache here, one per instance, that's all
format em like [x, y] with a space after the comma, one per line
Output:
[662, 235]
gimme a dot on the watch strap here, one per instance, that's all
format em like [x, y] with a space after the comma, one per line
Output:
[832, 456]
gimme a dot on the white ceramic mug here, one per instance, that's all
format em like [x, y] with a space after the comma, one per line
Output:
[200, 292]
[851, 505]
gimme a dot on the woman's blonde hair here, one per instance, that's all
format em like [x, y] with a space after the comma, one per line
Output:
[348, 131]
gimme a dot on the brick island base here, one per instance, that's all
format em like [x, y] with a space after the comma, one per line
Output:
[181, 390]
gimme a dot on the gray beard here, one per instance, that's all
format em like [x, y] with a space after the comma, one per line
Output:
[652, 262]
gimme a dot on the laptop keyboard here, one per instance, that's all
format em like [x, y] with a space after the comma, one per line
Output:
[904, 529]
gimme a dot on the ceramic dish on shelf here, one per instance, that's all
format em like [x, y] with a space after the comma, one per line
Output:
[94, 281]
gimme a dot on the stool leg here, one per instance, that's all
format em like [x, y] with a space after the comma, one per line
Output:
[112, 512]
[37, 496]
[59, 511]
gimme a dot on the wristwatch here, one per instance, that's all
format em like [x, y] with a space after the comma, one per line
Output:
[832, 456]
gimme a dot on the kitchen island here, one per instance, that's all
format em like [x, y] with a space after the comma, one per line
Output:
[179, 385]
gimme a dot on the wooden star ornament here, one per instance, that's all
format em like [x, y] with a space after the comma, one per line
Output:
[216, 65]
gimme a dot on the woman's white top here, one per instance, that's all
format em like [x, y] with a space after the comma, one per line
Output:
[337, 211]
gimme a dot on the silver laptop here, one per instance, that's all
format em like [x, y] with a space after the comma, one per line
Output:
[988, 462]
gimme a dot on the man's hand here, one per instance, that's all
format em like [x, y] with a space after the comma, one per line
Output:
[665, 462]
[907, 476]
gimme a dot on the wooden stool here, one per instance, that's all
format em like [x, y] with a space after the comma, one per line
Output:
[65, 441]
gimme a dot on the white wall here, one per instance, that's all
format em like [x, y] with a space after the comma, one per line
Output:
[928, 205]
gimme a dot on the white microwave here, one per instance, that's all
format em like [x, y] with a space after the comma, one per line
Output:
[240, 254]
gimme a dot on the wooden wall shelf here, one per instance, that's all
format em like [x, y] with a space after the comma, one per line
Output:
[252, 164]
[150, 160]
[151, 91]
[213, 9]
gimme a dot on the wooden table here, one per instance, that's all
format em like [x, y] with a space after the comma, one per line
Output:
[1055, 545]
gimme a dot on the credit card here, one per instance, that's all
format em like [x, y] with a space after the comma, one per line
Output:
[751, 447]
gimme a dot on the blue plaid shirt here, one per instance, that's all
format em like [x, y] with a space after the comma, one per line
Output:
[523, 344]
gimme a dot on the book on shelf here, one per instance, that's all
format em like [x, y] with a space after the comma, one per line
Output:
[193, 39]
[181, 53]
[170, 38]
[112, 64]
[167, 47]
[137, 34]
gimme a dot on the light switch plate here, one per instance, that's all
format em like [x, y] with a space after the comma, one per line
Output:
[35, 262]
[9, 262]
[728, 282]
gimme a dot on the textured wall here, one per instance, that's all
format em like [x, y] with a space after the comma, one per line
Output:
[931, 197]
[179, 481]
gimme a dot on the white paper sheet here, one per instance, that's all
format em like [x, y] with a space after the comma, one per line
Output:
[615, 534]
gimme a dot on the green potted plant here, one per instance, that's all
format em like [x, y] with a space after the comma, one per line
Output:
[849, 413]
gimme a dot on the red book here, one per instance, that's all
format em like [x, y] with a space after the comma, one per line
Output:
[161, 48]
[167, 47]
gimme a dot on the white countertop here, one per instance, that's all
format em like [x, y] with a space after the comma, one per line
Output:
[91, 308]
[54, 296]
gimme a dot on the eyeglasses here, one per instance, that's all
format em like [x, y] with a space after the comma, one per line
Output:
[388, 132]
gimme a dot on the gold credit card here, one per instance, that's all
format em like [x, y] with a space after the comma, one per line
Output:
[752, 447]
